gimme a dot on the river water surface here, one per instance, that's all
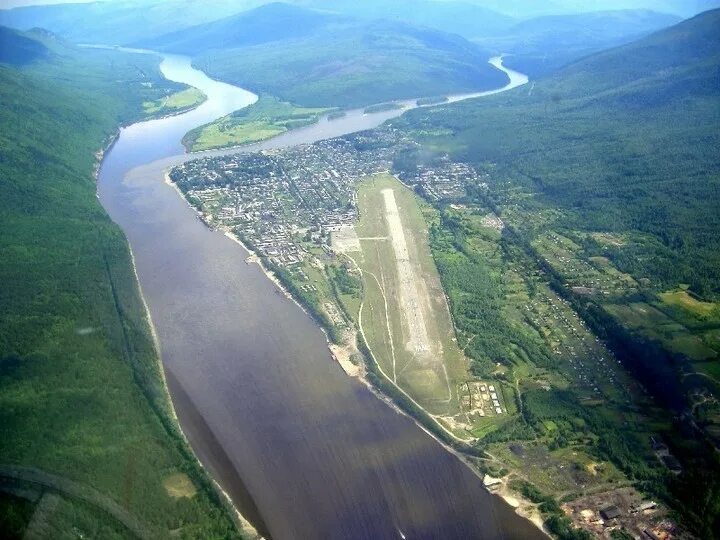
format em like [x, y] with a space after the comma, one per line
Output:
[303, 450]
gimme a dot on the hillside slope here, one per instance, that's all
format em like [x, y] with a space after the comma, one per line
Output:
[82, 402]
[272, 22]
[691, 47]
[457, 17]
[17, 49]
[634, 120]
[684, 8]
[120, 21]
[544, 44]
[127, 21]
[334, 61]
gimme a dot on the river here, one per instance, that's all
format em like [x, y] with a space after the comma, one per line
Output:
[303, 450]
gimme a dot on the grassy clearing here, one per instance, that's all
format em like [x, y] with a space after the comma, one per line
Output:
[692, 347]
[676, 334]
[179, 485]
[174, 103]
[683, 299]
[265, 119]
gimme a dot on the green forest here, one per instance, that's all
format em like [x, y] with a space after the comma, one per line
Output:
[315, 58]
[82, 405]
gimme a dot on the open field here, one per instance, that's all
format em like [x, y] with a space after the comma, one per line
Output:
[264, 119]
[672, 327]
[174, 103]
[404, 315]
[682, 299]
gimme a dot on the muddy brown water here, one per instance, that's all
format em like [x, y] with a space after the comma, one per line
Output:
[303, 450]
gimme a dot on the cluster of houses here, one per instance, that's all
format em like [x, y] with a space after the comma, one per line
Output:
[444, 179]
[278, 200]
[478, 398]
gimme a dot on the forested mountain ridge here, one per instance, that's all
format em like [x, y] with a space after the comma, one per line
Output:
[692, 46]
[82, 403]
[125, 21]
[545, 44]
[120, 21]
[338, 61]
[271, 22]
[686, 8]
[17, 49]
[458, 17]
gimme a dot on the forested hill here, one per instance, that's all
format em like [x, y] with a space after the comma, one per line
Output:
[672, 57]
[625, 140]
[542, 45]
[333, 60]
[83, 410]
[119, 21]
[272, 22]
[468, 19]
[17, 49]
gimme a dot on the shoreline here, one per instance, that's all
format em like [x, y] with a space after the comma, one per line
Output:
[519, 505]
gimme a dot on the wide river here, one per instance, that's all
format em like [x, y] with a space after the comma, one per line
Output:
[303, 450]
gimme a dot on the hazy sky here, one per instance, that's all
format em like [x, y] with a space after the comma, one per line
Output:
[5, 4]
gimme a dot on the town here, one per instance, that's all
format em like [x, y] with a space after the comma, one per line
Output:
[276, 201]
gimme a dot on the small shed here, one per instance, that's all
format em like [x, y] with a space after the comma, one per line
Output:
[611, 512]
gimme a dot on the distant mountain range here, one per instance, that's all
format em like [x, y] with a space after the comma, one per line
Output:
[268, 23]
[684, 8]
[459, 17]
[124, 21]
[118, 22]
[674, 59]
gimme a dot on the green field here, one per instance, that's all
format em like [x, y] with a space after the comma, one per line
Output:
[266, 118]
[174, 103]
[683, 299]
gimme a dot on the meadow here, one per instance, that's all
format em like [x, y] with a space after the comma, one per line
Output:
[174, 103]
[266, 118]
